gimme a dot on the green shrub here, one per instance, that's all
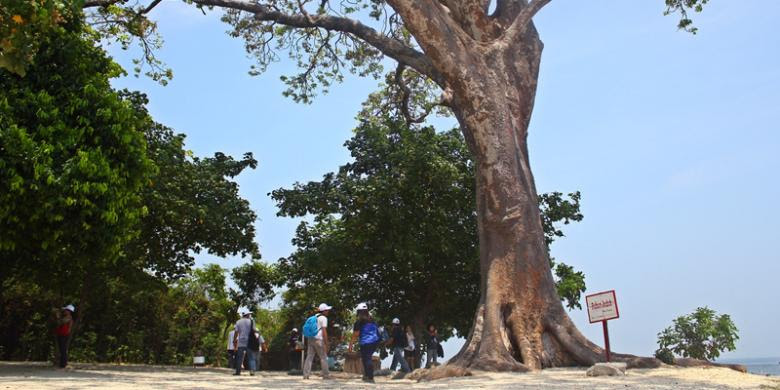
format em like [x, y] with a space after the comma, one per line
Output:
[699, 335]
[665, 355]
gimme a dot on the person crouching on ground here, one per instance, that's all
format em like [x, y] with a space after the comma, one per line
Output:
[367, 332]
[316, 332]
[244, 328]
[398, 343]
[64, 325]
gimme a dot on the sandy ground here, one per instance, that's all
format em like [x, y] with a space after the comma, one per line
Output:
[91, 376]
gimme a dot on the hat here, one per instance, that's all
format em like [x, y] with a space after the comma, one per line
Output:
[70, 308]
[295, 330]
[396, 321]
[244, 311]
[361, 306]
[324, 306]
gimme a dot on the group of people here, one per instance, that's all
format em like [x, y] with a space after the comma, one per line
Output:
[369, 336]
[245, 344]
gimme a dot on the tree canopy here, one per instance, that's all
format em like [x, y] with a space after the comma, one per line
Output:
[397, 227]
[73, 162]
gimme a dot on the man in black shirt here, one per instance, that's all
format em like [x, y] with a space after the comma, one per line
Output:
[398, 343]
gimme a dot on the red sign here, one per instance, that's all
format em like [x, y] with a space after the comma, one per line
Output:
[602, 306]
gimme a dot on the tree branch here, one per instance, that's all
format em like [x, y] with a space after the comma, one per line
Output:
[100, 3]
[388, 46]
[440, 36]
[150, 7]
[518, 26]
[406, 94]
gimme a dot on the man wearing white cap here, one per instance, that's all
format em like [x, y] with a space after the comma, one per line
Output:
[64, 324]
[244, 328]
[316, 332]
[398, 342]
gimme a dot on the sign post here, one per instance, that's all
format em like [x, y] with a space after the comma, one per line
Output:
[603, 307]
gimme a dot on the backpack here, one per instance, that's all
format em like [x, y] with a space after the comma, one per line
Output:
[369, 334]
[310, 327]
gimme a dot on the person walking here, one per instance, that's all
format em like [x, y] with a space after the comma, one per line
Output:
[410, 351]
[64, 325]
[366, 332]
[315, 330]
[231, 349]
[296, 347]
[244, 330]
[432, 343]
[398, 342]
[258, 348]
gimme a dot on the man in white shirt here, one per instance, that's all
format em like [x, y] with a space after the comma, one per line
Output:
[318, 344]
[243, 328]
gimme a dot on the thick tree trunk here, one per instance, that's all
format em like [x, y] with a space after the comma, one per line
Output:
[520, 322]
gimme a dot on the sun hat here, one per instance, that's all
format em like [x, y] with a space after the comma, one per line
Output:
[361, 306]
[396, 321]
[70, 308]
[324, 306]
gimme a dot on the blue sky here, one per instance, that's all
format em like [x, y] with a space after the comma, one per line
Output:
[671, 138]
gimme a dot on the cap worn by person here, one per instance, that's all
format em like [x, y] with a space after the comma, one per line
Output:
[70, 308]
[361, 306]
[324, 307]
[295, 330]
[396, 321]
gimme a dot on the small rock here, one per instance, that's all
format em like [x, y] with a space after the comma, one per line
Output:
[607, 369]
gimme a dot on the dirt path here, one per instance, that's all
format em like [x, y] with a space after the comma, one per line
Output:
[132, 377]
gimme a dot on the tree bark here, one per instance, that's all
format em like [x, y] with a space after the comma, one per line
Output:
[520, 323]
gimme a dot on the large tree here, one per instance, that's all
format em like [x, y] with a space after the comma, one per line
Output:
[484, 56]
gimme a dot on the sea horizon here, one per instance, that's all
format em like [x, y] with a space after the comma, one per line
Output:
[761, 365]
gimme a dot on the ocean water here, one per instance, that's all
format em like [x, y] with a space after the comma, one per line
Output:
[761, 366]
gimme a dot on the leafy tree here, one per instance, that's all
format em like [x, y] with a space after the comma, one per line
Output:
[25, 24]
[193, 204]
[700, 335]
[397, 228]
[484, 57]
[72, 164]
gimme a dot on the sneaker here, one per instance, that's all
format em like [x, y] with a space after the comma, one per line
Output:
[251, 373]
[368, 380]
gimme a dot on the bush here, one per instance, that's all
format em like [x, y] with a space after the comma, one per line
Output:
[665, 355]
[699, 335]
